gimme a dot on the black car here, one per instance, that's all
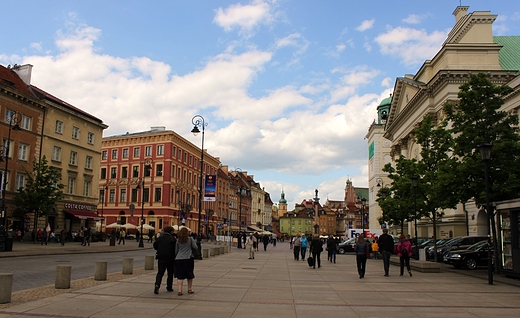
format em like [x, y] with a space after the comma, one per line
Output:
[458, 243]
[429, 248]
[348, 245]
[470, 258]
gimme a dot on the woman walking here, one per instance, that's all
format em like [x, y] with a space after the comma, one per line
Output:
[331, 249]
[184, 260]
[316, 249]
[362, 251]
[404, 251]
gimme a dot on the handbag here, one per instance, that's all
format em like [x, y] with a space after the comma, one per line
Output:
[195, 252]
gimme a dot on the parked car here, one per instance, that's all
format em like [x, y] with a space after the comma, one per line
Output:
[458, 243]
[347, 246]
[429, 249]
[470, 258]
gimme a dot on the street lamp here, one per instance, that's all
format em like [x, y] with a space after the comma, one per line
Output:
[103, 202]
[241, 192]
[198, 121]
[415, 180]
[485, 154]
[13, 122]
[363, 216]
[147, 167]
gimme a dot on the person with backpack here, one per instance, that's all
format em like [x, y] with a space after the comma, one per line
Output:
[362, 250]
[404, 251]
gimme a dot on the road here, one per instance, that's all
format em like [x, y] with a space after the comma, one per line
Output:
[36, 271]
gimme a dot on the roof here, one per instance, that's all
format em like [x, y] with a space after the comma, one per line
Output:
[509, 54]
[386, 101]
[9, 78]
[44, 95]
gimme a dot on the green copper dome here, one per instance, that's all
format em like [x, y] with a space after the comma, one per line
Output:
[282, 199]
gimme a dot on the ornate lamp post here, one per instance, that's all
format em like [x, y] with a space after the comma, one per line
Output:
[13, 122]
[363, 216]
[103, 202]
[415, 180]
[485, 153]
[198, 121]
[147, 167]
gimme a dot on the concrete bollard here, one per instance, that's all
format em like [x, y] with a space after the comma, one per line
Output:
[100, 270]
[6, 287]
[128, 266]
[205, 253]
[63, 274]
[211, 251]
[149, 262]
[217, 251]
[222, 249]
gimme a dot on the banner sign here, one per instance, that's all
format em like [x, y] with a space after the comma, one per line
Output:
[210, 188]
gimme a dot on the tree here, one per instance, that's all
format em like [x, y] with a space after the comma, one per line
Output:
[477, 119]
[41, 191]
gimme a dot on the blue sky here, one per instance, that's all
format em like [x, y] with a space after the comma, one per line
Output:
[288, 87]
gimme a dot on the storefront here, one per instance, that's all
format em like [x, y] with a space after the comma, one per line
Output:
[79, 216]
[508, 214]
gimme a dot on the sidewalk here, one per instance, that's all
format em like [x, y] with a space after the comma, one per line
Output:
[274, 284]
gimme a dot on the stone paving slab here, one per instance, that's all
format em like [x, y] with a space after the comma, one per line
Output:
[274, 284]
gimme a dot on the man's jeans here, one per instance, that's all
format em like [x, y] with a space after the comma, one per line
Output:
[386, 260]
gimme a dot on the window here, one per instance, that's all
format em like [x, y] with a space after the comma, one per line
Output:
[71, 185]
[90, 138]
[75, 132]
[88, 162]
[160, 150]
[185, 157]
[20, 181]
[9, 115]
[173, 171]
[114, 153]
[137, 152]
[174, 152]
[25, 123]
[135, 172]
[157, 194]
[103, 173]
[147, 170]
[59, 127]
[158, 170]
[147, 151]
[123, 196]
[86, 188]
[102, 196]
[134, 195]
[23, 151]
[124, 172]
[56, 154]
[104, 155]
[112, 196]
[191, 160]
[113, 172]
[125, 153]
[146, 195]
[73, 158]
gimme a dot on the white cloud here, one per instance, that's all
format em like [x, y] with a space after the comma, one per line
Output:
[387, 82]
[411, 45]
[413, 19]
[340, 47]
[365, 25]
[244, 17]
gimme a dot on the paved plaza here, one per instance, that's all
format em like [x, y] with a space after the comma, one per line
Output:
[274, 284]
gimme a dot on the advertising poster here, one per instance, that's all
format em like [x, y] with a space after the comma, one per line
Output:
[210, 188]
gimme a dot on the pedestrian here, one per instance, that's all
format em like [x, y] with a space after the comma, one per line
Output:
[39, 235]
[362, 252]
[165, 255]
[44, 237]
[265, 240]
[332, 247]
[304, 247]
[122, 235]
[252, 243]
[137, 234]
[316, 248]
[19, 235]
[63, 236]
[404, 251]
[150, 236]
[274, 238]
[375, 247]
[257, 236]
[297, 244]
[184, 260]
[386, 247]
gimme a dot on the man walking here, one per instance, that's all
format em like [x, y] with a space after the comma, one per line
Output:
[386, 247]
[297, 244]
[165, 247]
[251, 242]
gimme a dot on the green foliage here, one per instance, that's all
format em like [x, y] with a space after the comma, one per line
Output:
[474, 120]
[41, 191]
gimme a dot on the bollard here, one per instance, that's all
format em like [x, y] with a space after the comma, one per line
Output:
[100, 271]
[63, 273]
[205, 253]
[222, 251]
[149, 262]
[128, 266]
[211, 251]
[6, 287]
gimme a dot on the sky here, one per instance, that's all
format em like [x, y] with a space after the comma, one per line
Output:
[287, 88]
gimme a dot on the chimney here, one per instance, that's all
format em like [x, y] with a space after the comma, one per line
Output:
[459, 13]
[24, 72]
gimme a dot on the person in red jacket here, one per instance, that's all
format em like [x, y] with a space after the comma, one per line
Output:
[404, 251]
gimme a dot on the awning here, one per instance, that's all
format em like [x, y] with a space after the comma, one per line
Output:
[254, 228]
[84, 215]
